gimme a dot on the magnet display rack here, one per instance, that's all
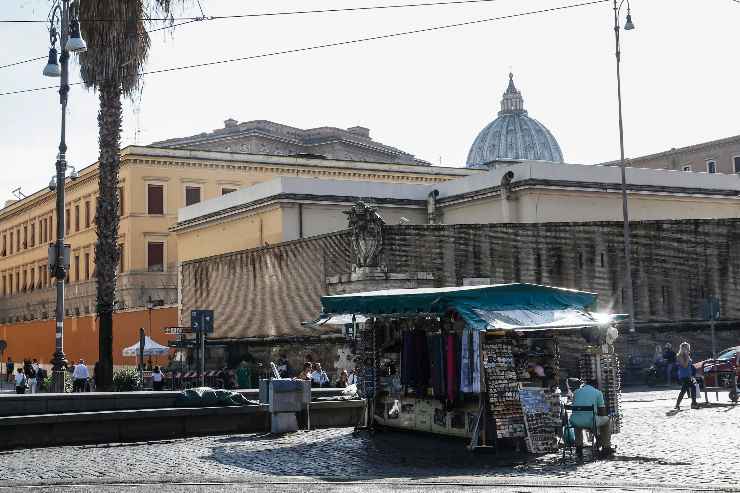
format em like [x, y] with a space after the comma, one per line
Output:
[603, 368]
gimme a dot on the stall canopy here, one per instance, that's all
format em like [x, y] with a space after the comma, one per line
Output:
[151, 348]
[500, 306]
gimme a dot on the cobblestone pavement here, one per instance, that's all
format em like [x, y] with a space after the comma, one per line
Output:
[658, 448]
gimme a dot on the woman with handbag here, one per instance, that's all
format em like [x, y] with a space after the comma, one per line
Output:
[685, 367]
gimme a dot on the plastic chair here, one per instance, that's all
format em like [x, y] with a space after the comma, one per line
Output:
[567, 425]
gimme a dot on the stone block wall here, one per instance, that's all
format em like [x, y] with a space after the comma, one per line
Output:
[676, 264]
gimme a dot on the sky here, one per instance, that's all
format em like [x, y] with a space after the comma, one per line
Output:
[428, 94]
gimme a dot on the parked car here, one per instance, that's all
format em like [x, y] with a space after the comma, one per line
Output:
[718, 372]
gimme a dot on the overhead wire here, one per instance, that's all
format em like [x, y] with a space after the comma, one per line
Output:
[149, 31]
[336, 44]
[273, 14]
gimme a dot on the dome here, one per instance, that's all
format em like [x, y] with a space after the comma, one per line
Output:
[513, 136]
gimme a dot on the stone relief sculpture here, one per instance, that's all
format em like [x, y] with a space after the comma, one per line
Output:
[367, 234]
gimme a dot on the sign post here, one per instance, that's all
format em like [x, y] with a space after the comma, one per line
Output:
[201, 322]
[142, 342]
[712, 313]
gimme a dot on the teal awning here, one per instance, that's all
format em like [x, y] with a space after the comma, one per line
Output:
[482, 307]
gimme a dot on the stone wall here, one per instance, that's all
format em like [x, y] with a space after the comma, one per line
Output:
[261, 296]
[676, 263]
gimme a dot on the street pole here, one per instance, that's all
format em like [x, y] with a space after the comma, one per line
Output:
[630, 305]
[202, 337]
[59, 360]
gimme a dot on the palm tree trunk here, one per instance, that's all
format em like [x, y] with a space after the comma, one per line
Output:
[106, 248]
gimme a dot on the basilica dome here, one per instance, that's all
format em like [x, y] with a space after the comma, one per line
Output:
[513, 136]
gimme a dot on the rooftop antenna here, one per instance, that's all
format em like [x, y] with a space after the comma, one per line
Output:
[18, 194]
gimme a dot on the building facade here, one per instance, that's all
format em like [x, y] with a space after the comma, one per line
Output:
[154, 185]
[717, 156]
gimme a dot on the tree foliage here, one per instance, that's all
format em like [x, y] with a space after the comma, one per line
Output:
[117, 50]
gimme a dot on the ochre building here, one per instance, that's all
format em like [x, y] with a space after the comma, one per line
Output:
[154, 184]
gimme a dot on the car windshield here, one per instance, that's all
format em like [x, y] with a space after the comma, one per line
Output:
[729, 354]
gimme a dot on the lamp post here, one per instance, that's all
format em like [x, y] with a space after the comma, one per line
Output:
[628, 26]
[70, 41]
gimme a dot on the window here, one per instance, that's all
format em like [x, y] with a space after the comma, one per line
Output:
[25, 237]
[25, 280]
[155, 256]
[33, 234]
[41, 276]
[77, 267]
[32, 284]
[18, 240]
[155, 199]
[225, 190]
[5, 285]
[120, 201]
[66, 221]
[87, 266]
[120, 258]
[77, 217]
[192, 195]
[87, 214]
[5, 245]
[11, 242]
[17, 282]
[736, 164]
[686, 167]
[711, 166]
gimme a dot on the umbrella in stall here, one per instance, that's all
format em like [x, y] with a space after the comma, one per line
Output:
[151, 348]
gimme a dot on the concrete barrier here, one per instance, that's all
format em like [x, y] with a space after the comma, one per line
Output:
[132, 425]
[43, 403]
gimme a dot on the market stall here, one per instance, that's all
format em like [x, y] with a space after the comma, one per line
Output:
[479, 362]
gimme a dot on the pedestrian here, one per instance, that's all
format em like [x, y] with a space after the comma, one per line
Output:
[157, 379]
[21, 383]
[352, 379]
[305, 374]
[283, 366]
[30, 372]
[243, 376]
[80, 376]
[9, 367]
[669, 357]
[343, 380]
[685, 371]
[658, 356]
[319, 377]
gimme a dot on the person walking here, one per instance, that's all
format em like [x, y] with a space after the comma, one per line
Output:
[157, 379]
[343, 381]
[20, 382]
[307, 371]
[352, 379]
[685, 371]
[319, 378]
[30, 372]
[9, 370]
[80, 376]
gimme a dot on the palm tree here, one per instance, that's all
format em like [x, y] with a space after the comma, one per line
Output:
[118, 46]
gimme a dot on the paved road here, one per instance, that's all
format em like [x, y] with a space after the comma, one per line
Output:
[658, 448]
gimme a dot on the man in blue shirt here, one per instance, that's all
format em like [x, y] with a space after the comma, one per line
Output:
[589, 395]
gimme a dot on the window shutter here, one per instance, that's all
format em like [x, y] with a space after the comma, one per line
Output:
[155, 199]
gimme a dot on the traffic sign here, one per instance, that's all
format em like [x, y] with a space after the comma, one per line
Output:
[178, 330]
[202, 321]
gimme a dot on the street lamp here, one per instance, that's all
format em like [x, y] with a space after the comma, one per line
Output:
[65, 14]
[628, 26]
